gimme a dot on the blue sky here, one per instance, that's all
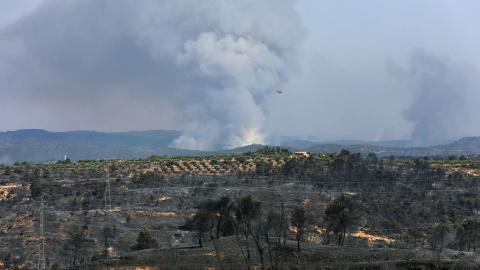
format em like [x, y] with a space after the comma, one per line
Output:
[371, 70]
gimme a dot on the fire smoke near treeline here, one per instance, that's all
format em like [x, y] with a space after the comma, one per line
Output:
[207, 64]
[211, 68]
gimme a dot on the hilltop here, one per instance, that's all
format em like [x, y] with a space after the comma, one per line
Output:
[41, 146]
[465, 146]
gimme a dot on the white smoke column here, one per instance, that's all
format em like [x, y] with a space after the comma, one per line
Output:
[202, 65]
[238, 50]
[245, 69]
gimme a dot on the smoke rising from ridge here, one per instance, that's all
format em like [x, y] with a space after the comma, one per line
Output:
[445, 96]
[201, 66]
[244, 69]
[240, 51]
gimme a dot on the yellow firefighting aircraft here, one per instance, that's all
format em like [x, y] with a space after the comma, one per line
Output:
[280, 91]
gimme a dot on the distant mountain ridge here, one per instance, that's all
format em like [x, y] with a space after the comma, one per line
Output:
[465, 146]
[38, 146]
[150, 137]
[389, 144]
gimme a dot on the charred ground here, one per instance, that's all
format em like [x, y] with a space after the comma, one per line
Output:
[413, 210]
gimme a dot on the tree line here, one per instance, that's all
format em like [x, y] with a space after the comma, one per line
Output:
[265, 231]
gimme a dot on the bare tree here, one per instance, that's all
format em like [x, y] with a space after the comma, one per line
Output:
[275, 228]
[107, 233]
[438, 234]
[247, 211]
[300, 219]
[77, 239]
[469, 232]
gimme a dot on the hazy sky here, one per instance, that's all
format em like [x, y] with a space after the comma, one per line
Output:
[371, 70]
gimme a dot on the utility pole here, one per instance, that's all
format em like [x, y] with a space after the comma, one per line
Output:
[107, 208]
[41, 248]
[108, 200]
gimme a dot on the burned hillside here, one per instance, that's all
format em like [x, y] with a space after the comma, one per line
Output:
[93, 210]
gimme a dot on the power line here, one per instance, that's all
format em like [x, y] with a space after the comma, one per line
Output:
[41, 248]
[108, 200]
[107, 208]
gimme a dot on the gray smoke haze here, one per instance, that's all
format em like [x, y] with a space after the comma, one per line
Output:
[445, 96]
[201, 66]
[6, 159]
[211, 68]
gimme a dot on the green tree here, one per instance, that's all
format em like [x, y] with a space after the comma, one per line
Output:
[263, 168]
[241, 159]
[113, 167]
[340, 214]
[35, 189]
[291, 167]
[149, 178]
[145, 240]
[344, 153]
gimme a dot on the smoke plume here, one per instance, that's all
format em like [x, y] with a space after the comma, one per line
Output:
[202, 66]
[444, 93]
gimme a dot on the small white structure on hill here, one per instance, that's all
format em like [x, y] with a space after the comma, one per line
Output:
[301, 154]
